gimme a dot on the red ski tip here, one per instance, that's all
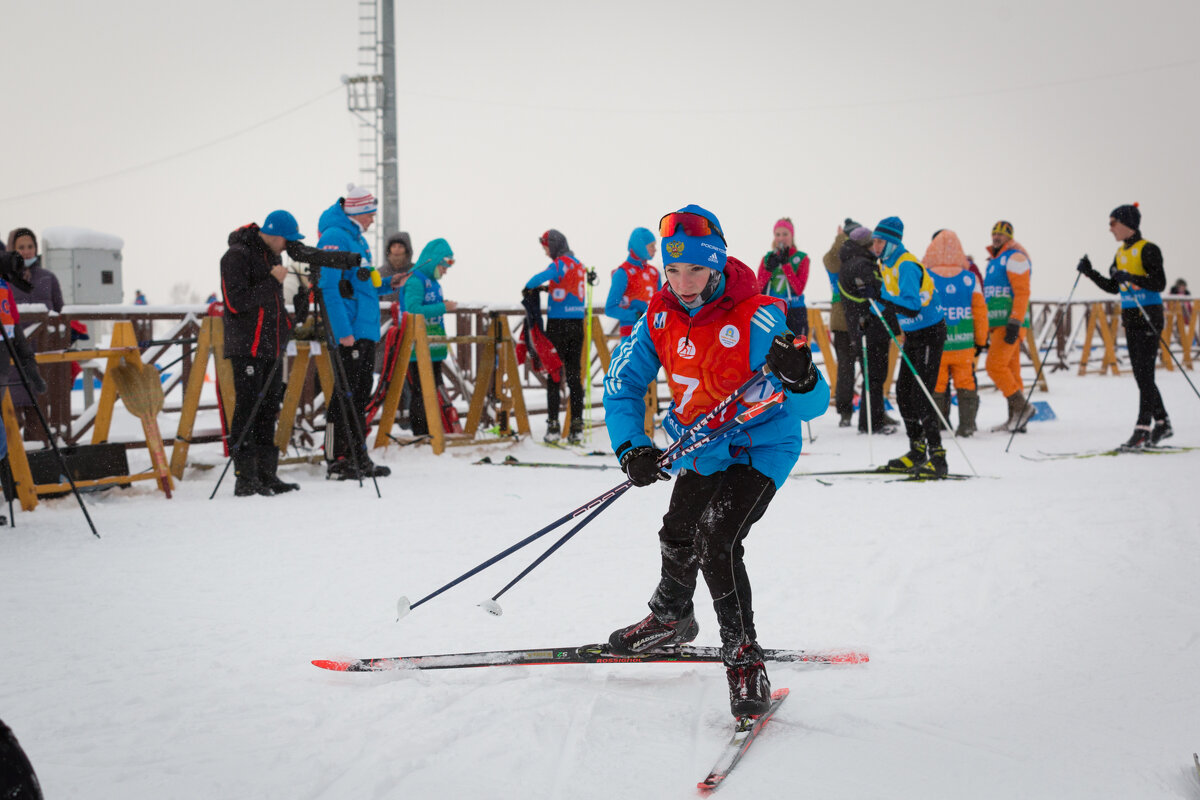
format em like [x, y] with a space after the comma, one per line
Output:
[336, 666]
[849, 657]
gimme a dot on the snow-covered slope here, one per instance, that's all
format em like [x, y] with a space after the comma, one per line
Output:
[1033, 633]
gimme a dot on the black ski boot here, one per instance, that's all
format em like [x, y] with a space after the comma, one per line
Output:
[245, 467]
[935, 467]
[268, 464]
[576, 434]
[1139, 440]
[1162, 430]
[749, 686]
[653, 634]
[914, 458]
[553, 432]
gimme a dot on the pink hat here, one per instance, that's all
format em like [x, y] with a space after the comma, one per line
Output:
[359, 201]
[785, 223]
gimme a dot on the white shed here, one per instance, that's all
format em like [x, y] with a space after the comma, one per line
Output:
[87, 263]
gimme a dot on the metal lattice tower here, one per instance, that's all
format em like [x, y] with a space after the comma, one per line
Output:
[371, 96]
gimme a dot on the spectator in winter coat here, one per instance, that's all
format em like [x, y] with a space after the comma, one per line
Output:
[906, 303]
[634, 282]
[710, 329]
[43, 288]
[423, 295]
[783, 273]
[257, 330]
[1006, 289]
[565, 279]
[1137, 274]
[844, 347]
[960, 295]
[859, 282]
[398, 265]
[351, 299]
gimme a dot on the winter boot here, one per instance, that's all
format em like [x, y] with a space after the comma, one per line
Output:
[268, 463]
[749, 686]
[935, 467]
[245, 467]
[1013, 412]
[576, 434]
[553, 432]
[1024, 412]
[1162, 430]
[968, 408]
[1140, 439]
[942, 401]
[371, 469]
[915, 457]
[653, 634]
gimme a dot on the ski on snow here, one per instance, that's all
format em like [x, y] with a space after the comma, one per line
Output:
[586, 654]
[745, 731]
[513, 461]
[1114, 451]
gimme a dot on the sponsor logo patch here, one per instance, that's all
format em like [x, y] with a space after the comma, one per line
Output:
[674, 248]
[686, 348]
[660, 319]
[729, 336]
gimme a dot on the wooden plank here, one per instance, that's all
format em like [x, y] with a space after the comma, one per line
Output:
[429, 395]
[297, 375]
[391, 401]
[820, 334]
[123, 338]
[511, 376]
[1094, 313]
[191, 399]
[1109, 334]
[112, 480]
[224, 370]
[18, 462]
[483, 382]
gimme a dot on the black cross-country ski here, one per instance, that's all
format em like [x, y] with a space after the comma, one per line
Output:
[880, 473]
[1114, 451]
[744, 733]
[586, 654]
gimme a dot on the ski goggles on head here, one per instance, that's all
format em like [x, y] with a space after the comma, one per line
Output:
[692, 224]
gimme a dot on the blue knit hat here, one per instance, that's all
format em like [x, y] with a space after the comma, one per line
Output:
[890, 229]
[707, 251]
[638, 241]
[281, 223]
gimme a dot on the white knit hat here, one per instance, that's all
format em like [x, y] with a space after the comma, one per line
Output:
[359, 201]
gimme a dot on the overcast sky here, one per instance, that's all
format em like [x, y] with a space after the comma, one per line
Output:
[169, 125]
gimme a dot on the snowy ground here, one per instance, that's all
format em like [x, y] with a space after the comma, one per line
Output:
[1033, 633]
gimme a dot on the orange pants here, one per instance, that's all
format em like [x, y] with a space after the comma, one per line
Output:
[957, 365]
[1004, 362]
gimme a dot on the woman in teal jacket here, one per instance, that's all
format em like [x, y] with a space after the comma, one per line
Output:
[423, 295]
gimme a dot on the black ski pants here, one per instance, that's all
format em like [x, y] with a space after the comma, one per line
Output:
[567, 337]
[924, 351]
[844, 348]
[358, 364]
[1142, 339]
[416, 409]
[877, 342]
[249, 380]
[708, 519]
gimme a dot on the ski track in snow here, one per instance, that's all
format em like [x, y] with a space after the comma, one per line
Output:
[1030, 636]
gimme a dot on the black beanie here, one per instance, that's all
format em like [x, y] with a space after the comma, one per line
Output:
[1129, 216]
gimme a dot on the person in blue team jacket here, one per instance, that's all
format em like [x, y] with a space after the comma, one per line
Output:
[351, 300]
[423, 295]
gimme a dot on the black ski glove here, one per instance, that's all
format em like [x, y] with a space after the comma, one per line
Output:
[346, 288]
[792, 365]
[591, 277]
[531, 293]
[1011, 331]
[36, 382]
[641, 465]
[1121, 276]
[979, 348]
[1085, 265]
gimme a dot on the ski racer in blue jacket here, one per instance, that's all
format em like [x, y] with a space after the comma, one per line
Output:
[710, 330]
[351, 298]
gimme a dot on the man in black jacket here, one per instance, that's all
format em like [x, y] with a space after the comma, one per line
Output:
[257, 330]
[859, 282]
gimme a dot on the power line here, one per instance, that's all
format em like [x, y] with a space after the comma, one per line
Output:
[173, 156]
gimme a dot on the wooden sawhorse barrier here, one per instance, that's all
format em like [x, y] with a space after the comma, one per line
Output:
[123, 347]
[498, 364]
[1100, 320]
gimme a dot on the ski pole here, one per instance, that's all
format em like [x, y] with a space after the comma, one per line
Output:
[403, 606]
[1045, 353]
[941, 417]
[1166, 345]
[867, 397]
[492, 607]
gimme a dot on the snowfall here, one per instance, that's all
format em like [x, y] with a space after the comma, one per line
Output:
[1032, 633]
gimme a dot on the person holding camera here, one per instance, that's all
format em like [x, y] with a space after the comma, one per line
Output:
[783, 273]
[565, 279]
[257, 330]
[36, 284]
[351, 299]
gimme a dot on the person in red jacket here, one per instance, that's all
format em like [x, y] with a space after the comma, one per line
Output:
[783, 273]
